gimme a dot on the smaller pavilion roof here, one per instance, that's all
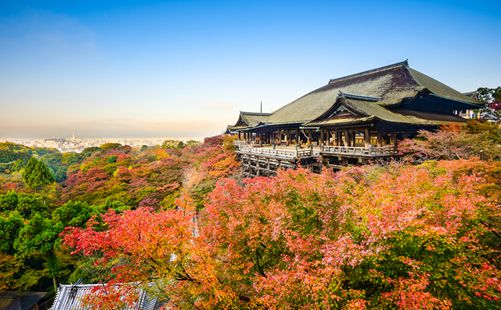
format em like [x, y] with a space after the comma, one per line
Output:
[249, 119]
[364, 109]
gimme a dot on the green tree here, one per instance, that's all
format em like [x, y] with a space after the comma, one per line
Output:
[11, 152]
[36, 175]
[173, 144]
[72, 213]
[10, 226]
[31, 204]
[9, 201]
[37, 239]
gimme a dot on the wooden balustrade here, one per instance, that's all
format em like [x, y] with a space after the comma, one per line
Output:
[371, 151]
[290, 153]
[245, 148]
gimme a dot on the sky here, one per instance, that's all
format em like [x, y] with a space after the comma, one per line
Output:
[186, 68]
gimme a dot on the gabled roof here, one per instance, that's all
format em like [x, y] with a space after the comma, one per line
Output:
[374, 89]
[390, 84]
[249, 119]
[364, 109]
[254, 118]
[438, 88]
[70, 297]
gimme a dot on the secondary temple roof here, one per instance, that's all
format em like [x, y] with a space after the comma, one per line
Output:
[71, 296]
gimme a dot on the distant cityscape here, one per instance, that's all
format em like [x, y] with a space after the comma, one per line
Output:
[75, 144]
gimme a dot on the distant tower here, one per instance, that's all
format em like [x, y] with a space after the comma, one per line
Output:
[261, 107]
[73, 137]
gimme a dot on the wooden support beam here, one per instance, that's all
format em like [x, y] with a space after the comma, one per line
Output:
[367, 137]
[393, 138]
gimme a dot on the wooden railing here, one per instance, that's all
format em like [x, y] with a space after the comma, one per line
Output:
[238, 143]
[245, 148]
[290, 154]
[371, 151]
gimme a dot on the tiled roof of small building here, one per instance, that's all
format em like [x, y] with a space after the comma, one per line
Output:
[69, 297]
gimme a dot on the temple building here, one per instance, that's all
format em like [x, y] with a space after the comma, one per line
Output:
[353, 119]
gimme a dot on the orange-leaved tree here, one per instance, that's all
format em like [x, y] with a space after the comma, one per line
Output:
[412, 237]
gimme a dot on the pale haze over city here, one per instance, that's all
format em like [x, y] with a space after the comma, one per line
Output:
[185, 68]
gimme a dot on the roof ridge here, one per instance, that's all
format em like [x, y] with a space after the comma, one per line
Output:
[255, 113]
[404, 63]
[358, 97]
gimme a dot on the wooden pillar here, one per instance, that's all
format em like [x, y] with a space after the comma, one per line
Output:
[367, 137]
[379, 139]
[347, 138]
[321, 138]
[393, 138]
[328, 133]
[309, 137]
[298, 138]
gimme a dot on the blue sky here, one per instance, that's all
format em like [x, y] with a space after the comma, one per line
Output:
[185, 68]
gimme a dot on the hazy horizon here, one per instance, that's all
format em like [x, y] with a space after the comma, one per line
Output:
[186, 68]
[103, 138]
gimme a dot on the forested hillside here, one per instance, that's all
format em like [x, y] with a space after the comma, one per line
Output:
[421, 232]
[43, 191]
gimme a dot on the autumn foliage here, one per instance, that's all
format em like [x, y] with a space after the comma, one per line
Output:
[402, 236]
[474, 140]
[42, 191]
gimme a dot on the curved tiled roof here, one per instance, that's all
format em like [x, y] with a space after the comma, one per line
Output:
[389, 85]
[254, 118]
[367, 110]
[439, 88]
[249, 119]
[70, 296]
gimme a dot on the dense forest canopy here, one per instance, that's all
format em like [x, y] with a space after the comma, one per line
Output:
[421, 232]
[43, 191]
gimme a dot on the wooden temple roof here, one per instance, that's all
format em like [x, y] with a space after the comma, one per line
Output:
[373, 93]
[361, 110]
[249, 119]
